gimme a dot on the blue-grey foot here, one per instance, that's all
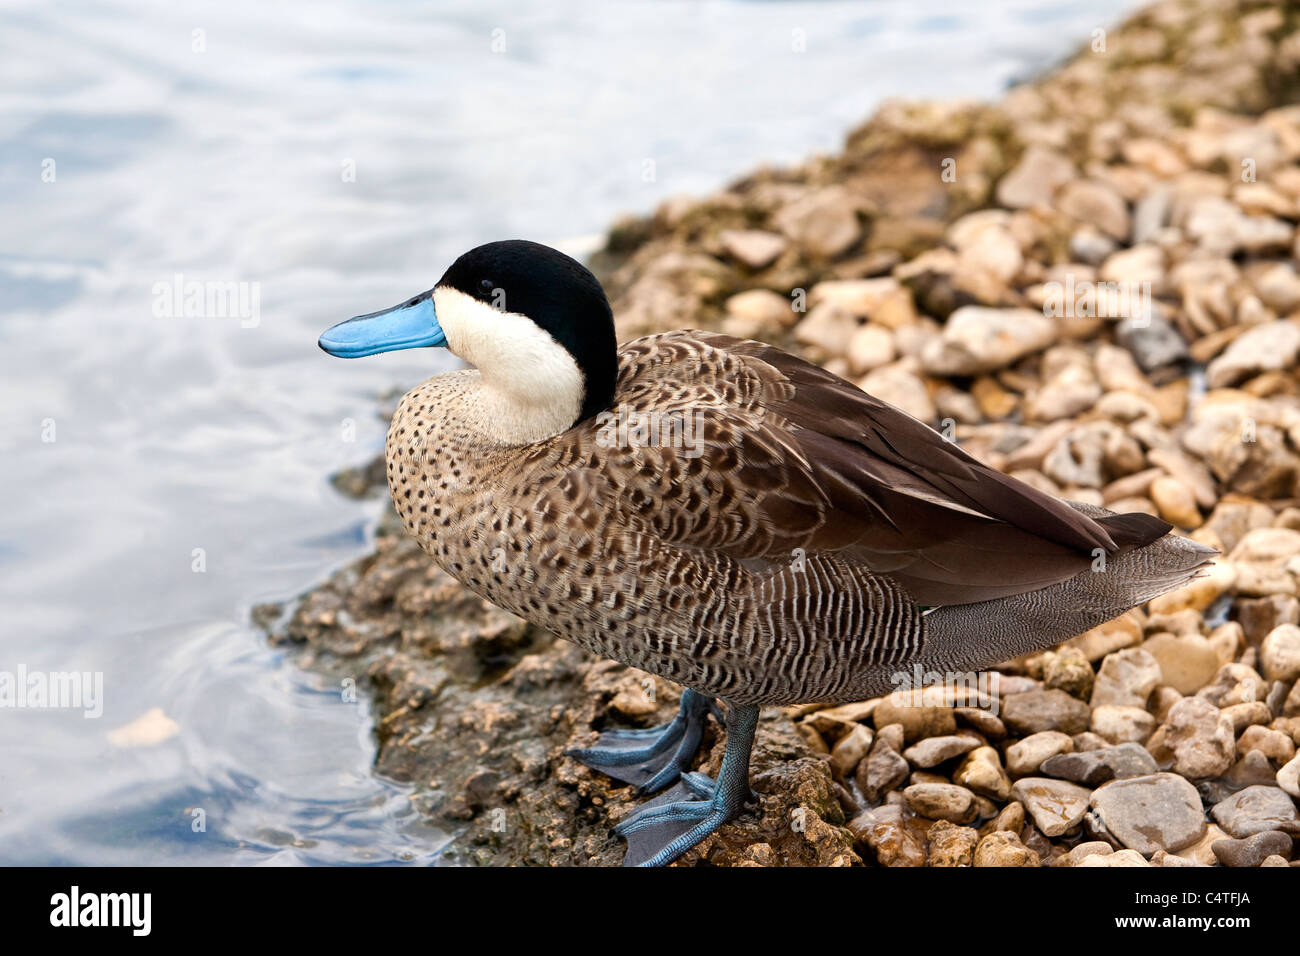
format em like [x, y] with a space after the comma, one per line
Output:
[653, 758]
[672, 823]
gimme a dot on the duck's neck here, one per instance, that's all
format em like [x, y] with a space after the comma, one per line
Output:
[529, 407]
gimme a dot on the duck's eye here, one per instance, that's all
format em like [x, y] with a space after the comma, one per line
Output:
[485, 286]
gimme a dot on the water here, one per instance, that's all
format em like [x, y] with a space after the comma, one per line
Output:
[163, 473]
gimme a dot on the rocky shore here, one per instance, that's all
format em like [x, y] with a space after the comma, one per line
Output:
[1090, 285]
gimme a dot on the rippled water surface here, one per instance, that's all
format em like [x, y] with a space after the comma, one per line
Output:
[164, 472]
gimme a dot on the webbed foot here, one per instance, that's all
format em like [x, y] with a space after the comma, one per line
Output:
[656, 757]
[675, 821]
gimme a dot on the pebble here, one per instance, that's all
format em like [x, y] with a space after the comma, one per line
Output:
[1089, 848]
[1187, 662]
[1120, 725]
[1273, 744]
[823, 223]
[952, 845]
[941, 801]
[752, 248]
[1160, 811]
[883, 769]
[1279, 654]
[1126, 678]
[979, 339]
[1288, 778]
[917, 722]
[1055, 805]
[891, 841]
[1035, 178]
[935, 750]
[1118, 858]
[1037, 710]
[1094, 767]
[982, 772]
[1200, 737]
[1254, 849]
[1002, 848]
[1256, 809]
[1025, 756]
[849, 750]
[1273, 345]
[1175, 502]
[1094, 202]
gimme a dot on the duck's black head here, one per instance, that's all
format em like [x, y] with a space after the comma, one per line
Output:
[560, 296]
[534, 321]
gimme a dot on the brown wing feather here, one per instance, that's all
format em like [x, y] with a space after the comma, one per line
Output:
[791, 456]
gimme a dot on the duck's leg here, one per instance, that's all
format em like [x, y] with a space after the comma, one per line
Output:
[669, 825]
[654, 758]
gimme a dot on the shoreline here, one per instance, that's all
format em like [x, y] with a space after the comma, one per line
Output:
[926, 255]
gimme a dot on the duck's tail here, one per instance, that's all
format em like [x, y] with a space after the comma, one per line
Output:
[975, 636]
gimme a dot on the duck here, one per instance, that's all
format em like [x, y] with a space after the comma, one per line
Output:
[724, 515]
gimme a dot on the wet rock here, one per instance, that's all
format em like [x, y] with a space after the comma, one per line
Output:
[882, 771]
[1002, 848]
[1200, 737]
[1094, 767]
[952, 845]
[849, 751]
[1055, 805]
[982, 772]
[941, 801]
[1201, 853]
[1025, 756]
[978, 339]
[883, 834]
[1160, 811]
[1038, 710]
[1255, 810]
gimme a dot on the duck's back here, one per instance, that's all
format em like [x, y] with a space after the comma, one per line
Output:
[738, 521]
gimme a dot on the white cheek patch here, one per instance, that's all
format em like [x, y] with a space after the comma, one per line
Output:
[531, 386]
